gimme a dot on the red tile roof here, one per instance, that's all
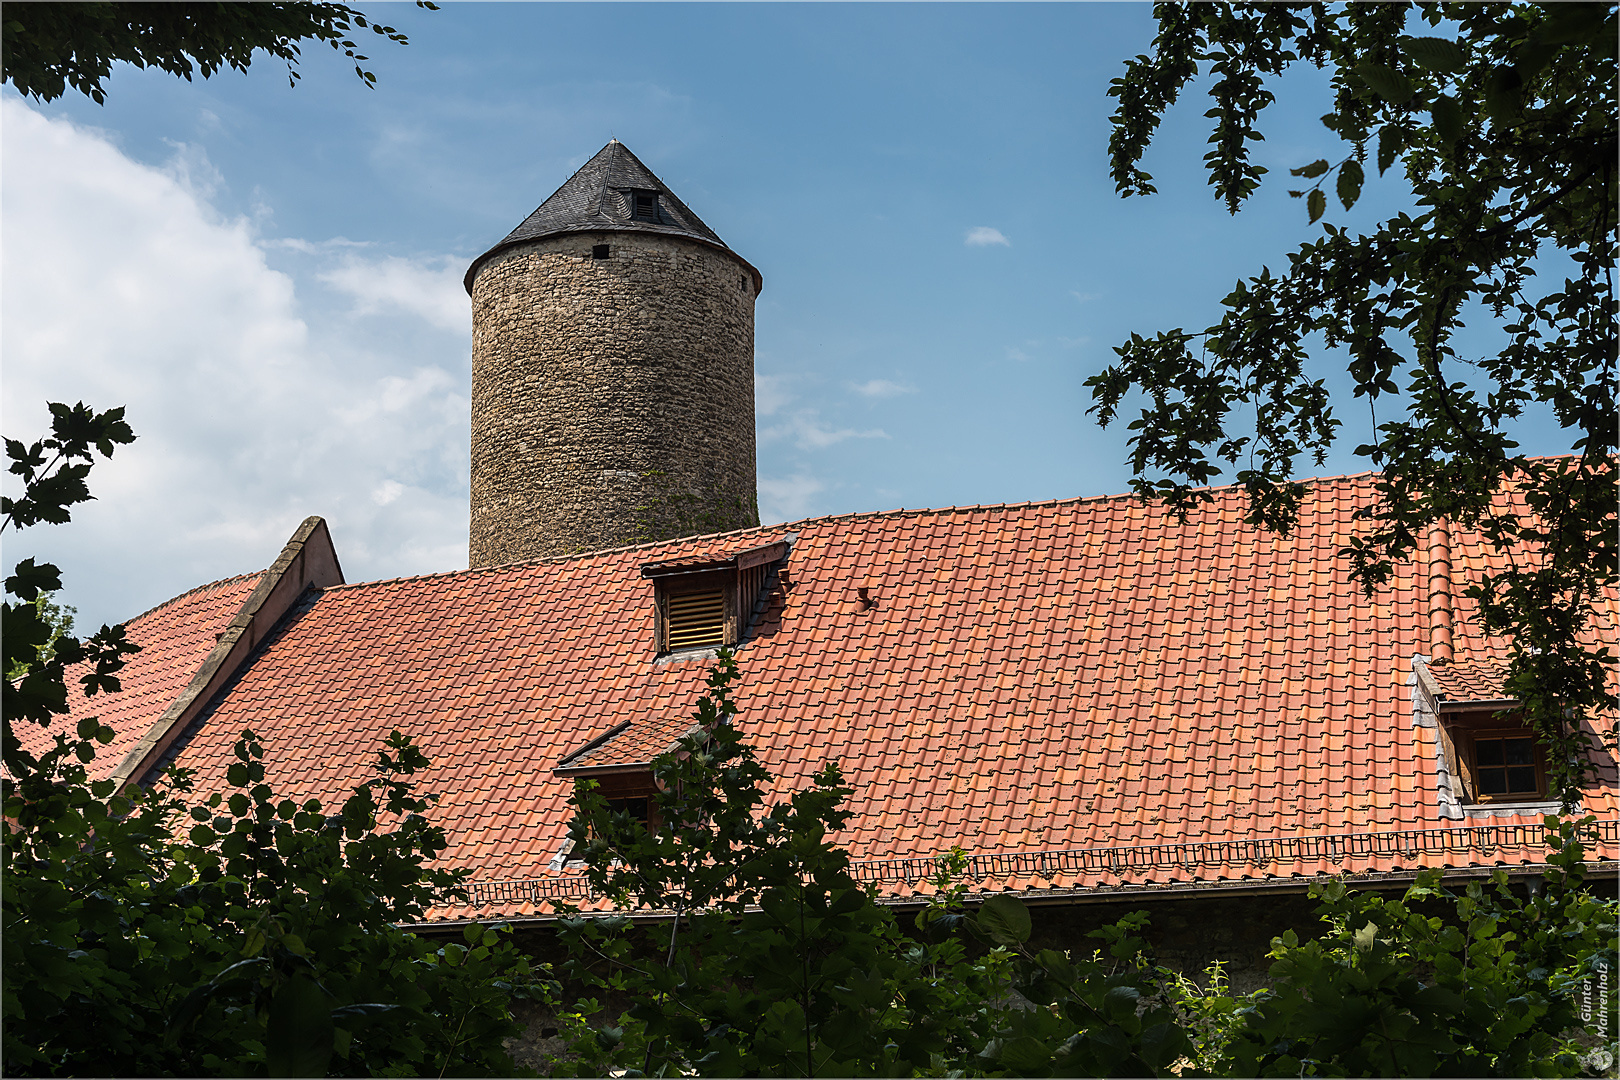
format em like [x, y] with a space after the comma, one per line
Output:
[1081, 694]
[175, 638]
[1470, 682]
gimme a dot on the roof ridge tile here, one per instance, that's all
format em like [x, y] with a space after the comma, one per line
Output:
[232, 580]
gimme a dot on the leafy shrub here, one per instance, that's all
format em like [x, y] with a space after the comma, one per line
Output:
[260, 936]
[265, 938]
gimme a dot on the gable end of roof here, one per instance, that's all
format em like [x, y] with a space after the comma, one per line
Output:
[307, 561]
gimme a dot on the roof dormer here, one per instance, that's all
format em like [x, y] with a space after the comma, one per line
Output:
[702, 605]
[1491, 761]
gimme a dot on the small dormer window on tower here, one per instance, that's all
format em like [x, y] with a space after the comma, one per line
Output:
[708, 604]
[644, 206]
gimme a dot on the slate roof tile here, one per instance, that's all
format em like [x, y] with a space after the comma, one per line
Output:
[599, 198]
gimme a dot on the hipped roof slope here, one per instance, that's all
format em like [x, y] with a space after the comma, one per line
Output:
[1044, 677]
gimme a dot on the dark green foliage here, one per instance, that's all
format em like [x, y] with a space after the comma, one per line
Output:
[37, 653]
[1502, 119]
[50, 47]
[59, 617]
[1102, 1015]
[242, 935]
[1481, 983]
[776, 962]
[54, 469]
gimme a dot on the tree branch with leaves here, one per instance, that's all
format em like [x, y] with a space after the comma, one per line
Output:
[1502, 121]
[50, 48]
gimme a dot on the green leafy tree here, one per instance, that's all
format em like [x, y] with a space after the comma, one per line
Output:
[54, 473]
[775, 961]
[1478, 983]
[1109, 1013]
[262, 937]
[1501, 119]
[49, 47]
[60, 619]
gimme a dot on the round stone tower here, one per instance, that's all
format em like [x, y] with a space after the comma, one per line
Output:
[612, 373]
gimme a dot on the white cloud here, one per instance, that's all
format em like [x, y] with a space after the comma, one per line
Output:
[770, 394]
[807, 432]
[256, 404]
[787, 498]
[882, 388]
[429, 289]
[1085, 297]
[985, 236]
[1016, 354]
[387, 492]
[190, 168]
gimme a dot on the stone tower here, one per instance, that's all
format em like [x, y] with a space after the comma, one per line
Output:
[612, 373]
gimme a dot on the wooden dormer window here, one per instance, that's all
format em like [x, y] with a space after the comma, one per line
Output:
[644, 206]
[627, 789]
[1500, 763]
[630, 790]
[708, 604]
[1494, 760]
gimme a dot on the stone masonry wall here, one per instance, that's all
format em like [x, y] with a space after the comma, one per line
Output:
[612, 399]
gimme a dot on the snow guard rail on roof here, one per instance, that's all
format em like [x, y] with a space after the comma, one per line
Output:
[1127, 862]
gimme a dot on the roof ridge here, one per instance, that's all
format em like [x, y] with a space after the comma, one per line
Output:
[1072, 500]
[195, 589]
[562, 558]
[801, 523]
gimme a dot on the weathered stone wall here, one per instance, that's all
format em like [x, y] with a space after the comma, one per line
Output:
[612, 399]
[1188, 933]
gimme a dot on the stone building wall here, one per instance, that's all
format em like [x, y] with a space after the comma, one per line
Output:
[612, 398]
[1188, 933]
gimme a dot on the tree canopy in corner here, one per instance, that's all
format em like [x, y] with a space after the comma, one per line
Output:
[1502, 120]
[51, 47]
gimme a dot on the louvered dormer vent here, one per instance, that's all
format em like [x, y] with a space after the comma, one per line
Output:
[708, 604]
[644, 206]
[697, 620]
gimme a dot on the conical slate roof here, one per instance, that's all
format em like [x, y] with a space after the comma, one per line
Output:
[600, 197]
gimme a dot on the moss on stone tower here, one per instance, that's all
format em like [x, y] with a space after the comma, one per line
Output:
[612, 373]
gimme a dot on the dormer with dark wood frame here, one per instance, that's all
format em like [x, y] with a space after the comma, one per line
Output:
[626, 785]
[709, 604]
[1495, 761]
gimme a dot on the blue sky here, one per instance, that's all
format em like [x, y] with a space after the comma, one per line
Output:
[269, 278]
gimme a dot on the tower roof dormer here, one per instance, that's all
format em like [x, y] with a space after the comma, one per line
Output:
[612, 192]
